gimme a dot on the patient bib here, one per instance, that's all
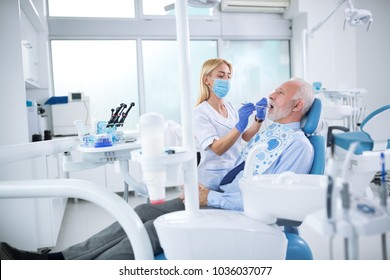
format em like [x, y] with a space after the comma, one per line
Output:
[276, 138]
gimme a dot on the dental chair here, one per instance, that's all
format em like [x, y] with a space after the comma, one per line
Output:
[372, 140]
[297, 248]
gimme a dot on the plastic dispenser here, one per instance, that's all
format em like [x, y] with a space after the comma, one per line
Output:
[152, 146]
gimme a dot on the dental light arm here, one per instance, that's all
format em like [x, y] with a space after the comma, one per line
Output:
[355, 17]
[183, 38]
[321, 23]
[309, 33]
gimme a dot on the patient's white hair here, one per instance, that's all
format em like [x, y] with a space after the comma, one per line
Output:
[306, 93]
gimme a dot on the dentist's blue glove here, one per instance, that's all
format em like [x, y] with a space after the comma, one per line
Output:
[261, 109]
[243, 114]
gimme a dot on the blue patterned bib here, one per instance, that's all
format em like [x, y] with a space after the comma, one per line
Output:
[275, 138]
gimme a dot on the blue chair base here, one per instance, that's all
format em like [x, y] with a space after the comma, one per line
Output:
[160, 256]
[297, 248]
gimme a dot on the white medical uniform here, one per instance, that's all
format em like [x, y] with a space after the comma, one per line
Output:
[210, 126]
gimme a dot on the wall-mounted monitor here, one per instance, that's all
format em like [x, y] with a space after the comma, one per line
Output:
[76, 96]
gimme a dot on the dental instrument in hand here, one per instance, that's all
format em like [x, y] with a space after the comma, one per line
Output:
[257, 106]
[261, 109]
[262, 106]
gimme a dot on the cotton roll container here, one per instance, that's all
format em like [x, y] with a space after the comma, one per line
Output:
[152, 146]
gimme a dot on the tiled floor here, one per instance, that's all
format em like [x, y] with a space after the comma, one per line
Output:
[82, 219]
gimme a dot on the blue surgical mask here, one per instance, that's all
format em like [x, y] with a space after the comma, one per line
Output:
[221, 87]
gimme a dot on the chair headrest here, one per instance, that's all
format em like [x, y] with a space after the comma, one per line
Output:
[311, 120]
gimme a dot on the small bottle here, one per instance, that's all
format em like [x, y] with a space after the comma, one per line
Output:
[47, 135]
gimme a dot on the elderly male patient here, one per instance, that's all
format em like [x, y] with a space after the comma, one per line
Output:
[288, 150]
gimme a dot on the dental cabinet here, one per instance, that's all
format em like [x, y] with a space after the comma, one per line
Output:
[32, 223]
[29, 53]
[34, 46]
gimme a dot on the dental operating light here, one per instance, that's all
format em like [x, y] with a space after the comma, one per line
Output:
[357, 17]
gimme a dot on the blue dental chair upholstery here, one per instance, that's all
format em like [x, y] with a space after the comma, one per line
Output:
[310, 124]
[368, 138]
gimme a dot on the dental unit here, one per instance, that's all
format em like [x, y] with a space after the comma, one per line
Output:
[119, 115]
[357, 157]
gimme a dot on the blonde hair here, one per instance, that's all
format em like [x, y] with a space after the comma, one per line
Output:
[208, 67]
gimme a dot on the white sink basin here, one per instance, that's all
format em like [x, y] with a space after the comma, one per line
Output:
[287, 195]
[336, 112]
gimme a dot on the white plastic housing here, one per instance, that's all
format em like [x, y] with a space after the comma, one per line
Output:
[219, 235]
[287, 195]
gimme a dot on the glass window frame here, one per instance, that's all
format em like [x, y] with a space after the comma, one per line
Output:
[92, 17]
[137, 108]
[193, 87]
[210, 30]
[138, 14]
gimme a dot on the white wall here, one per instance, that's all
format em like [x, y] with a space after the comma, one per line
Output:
[353, 58]
[372, 54]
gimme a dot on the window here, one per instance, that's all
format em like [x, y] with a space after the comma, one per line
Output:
[91, 8]
[107, 70]
[104, 70]
[118, 8]
[160, 58]
[258, 68]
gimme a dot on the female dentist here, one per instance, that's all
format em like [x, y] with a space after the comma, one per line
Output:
[218, 127]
